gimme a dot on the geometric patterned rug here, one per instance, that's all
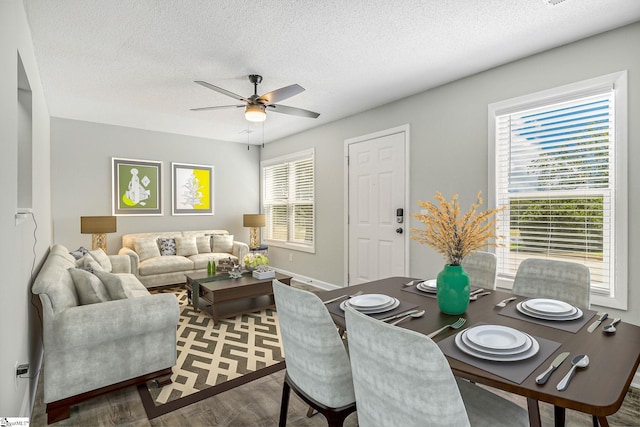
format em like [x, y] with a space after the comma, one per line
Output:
[215, 358]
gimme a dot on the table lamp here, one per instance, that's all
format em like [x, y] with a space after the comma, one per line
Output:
[98, 227]
[254, 221]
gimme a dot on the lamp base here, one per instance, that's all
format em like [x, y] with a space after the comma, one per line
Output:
[254, 237]
[99, 240]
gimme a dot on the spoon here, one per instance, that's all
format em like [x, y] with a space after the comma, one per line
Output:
[414, 314]
[611, 328]
[580, 361]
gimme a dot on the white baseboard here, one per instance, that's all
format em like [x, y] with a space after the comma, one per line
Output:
[309, 281]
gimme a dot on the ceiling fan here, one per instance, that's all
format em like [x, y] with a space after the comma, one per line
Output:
[256, 106]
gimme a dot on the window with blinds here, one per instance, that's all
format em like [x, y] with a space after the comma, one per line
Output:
[555, 174]
[289, 201]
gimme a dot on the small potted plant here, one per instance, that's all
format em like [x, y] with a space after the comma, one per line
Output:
[253, 261]
[454, 237]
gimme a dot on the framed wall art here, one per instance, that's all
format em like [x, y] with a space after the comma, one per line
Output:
[192, 189]
[137, 187]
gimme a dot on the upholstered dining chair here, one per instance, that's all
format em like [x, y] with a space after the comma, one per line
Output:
[401, 378]
[561, 280]
[482, 269]
[318, 368]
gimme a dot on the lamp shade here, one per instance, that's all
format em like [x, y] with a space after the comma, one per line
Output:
[97, 224]
[254, 220]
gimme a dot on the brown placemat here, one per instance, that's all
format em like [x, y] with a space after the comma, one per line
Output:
[572, 326]
[334, 308]
[414, 290]
[516, 372]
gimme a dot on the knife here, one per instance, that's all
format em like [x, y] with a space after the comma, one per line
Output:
[595, 324]
[386, 319]
[543, 377]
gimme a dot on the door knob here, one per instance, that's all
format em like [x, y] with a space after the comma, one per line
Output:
[399, 230]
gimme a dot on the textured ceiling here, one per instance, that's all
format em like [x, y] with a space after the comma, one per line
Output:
[133, 63]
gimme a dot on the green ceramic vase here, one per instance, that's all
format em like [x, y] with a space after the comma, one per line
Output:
[453, 290]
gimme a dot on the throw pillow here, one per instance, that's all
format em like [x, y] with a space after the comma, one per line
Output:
[113, 283]
[102, 259]
[84, 261]
[89, 288]
[146, 248]
[223, 243]
[167, 246]
[186, 246]
[93, 266]
[79, 253]
[204, 244]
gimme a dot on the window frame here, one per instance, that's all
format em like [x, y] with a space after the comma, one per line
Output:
[283, 160]
[618, 296]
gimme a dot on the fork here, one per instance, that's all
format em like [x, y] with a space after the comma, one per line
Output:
[504, 302]
[456, 325]
[329, 301]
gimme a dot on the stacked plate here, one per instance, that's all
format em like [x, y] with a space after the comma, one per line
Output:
[428, 286]
[549, 309]
[371, 303]
[495, 342]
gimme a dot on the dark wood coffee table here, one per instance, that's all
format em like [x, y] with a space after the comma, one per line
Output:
[227, 297]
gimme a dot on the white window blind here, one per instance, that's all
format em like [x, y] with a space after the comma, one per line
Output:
[289, 201]
[555, 176]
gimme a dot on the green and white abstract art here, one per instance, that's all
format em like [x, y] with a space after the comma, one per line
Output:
[137, 187]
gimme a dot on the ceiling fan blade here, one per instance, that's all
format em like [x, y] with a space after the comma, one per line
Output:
[222, 91]
[220, 107]
[284, 109]
[280, 94]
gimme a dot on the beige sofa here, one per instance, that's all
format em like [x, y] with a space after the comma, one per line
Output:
[156, 263]
[101, 330]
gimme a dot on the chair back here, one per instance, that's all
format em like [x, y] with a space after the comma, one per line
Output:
[316, 358]
[561, 280]
[401, 378]
[482, 269]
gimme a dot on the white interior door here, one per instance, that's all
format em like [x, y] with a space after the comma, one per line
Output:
[376, 191]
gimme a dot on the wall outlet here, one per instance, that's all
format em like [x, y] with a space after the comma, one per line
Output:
[22, 369]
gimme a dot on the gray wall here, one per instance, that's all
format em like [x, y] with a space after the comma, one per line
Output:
[81, 155]
[23, 247]
[449, 147]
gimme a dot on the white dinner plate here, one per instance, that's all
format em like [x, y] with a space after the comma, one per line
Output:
[526, 346]
[496, 337]
[548, 306]
[429, 286]
[394, 304]
[431, 283]
[526, 312]
[372, 309]
[370, 301]
[535, 347]
[425, 289]
[526, 308]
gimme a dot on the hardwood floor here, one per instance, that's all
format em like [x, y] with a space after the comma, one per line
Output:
[257, 404]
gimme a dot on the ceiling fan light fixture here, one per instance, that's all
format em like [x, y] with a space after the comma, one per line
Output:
[255, 113]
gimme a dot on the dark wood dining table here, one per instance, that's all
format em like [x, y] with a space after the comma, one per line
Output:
[599, 389]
